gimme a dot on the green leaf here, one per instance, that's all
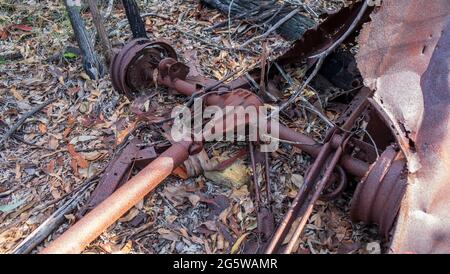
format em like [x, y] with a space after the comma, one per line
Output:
[238, 242]
[70, 55]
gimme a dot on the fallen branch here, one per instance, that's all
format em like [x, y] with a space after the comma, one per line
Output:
[272, 29]
[293, 30]
[20, 139]
[22, 120]
[98, 22]
[91, 64]
[52, 222]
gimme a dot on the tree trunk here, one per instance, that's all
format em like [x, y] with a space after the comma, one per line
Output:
[102, 35]
[293, 29]
[91, 65]
[134, 18]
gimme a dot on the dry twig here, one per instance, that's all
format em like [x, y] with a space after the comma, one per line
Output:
[272, 29]
[23, 119]
[324, 54]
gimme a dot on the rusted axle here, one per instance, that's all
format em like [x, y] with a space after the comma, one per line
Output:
[172, 74]
[110, 210]
[143, 63]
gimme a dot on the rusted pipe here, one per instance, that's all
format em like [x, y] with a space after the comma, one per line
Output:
[105, 214]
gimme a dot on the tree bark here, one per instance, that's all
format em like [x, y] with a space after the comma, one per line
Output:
[102, 35]
[293, 29]
[134, 18]
[91, 65]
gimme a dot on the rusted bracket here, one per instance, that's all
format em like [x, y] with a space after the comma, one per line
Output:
[318, 177]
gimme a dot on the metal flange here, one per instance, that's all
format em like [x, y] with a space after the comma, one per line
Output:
[377, 198]
[133, 67]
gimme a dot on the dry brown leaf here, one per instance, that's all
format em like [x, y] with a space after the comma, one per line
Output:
[130, 215]
[51, 166]
[220, 244]
[194, 199]
[297, 180]
[178, 195]
[240, 194]
[126, 248]
[123, 133]
[211, 225]
[171, 218]
[18, 172]
[180, 172]
[16, 94]
[93, 155]
[53, 143]
[81, 162]
[168, 234]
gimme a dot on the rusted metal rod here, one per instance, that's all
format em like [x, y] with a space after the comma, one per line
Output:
[291, 214]
[316, 194]
[330, 154]
[110, 210]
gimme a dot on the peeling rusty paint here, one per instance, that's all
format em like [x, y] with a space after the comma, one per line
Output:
[405, 57]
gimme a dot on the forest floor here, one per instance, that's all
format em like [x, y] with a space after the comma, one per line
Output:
[58, 149]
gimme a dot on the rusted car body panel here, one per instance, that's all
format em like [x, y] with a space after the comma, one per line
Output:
[405, 57]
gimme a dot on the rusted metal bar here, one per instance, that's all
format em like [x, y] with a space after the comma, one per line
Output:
[319, 187]
[117, 173]
[110, 210]
[326, 162]
[290, 215]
